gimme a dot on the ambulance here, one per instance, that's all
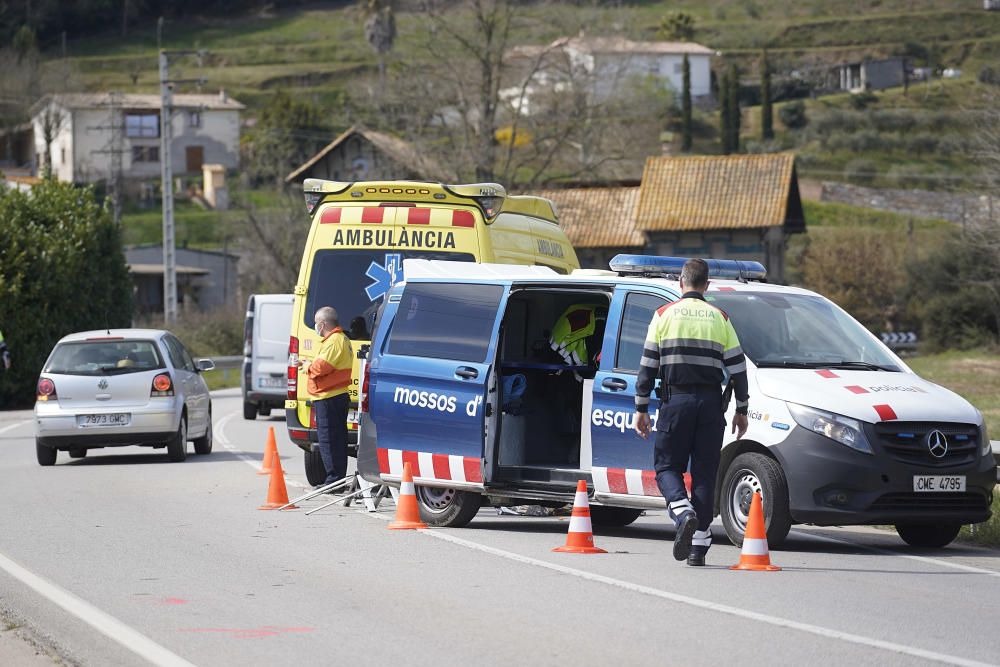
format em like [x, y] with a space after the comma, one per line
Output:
[841, 430]
[361, 234]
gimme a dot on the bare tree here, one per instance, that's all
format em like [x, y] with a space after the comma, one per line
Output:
[271, 250]
[380, 31]
[51, 120]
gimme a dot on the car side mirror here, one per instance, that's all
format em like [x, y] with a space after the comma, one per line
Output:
[204, 365]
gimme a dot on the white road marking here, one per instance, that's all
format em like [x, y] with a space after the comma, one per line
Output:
[104, 623]
[14, 425]
[887, 552]
[220, 431]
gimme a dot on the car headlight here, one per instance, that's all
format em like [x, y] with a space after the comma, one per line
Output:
[986, 449]
[844, 430]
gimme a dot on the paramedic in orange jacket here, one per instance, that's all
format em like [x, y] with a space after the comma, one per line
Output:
[329, 381]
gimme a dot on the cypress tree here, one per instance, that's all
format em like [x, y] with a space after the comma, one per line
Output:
[686, 107]
[766, 109]
[725, 134]
[734, 110]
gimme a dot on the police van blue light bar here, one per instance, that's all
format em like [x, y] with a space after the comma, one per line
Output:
[731, 269]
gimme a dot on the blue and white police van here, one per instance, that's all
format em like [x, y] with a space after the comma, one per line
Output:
[461, 383]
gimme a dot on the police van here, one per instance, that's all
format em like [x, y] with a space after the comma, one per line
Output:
[461, 383]
[360, 236]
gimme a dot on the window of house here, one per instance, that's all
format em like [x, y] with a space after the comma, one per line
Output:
[145, 154]
[142, 125]
[194, 119]
[62, 155]
[444, 321]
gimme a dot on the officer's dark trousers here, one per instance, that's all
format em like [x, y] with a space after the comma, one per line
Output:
[331, 425]
[690, 426]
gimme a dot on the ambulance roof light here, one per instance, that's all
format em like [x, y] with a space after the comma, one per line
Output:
[731, 269]
[488, 196]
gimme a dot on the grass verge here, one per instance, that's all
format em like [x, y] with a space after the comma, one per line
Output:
[988, 532]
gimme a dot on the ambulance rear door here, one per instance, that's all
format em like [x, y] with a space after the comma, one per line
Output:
[429, 382]
[622, 461]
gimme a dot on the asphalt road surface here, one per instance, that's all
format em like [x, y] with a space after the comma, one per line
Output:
[123, 558]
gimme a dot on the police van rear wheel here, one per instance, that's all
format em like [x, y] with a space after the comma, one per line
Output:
[315, 470]
[249, 410]
[929, 535]
[613, 517]
[746, 474]
[447, 507]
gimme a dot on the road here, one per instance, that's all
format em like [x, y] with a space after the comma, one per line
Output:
[123, 558]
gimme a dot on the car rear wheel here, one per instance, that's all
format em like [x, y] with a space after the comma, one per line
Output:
[177, 447]
[46, 455]
[203, 445]
[315, 470]
[746, 474]
[249, 410]
[77, 453]
[928, 535]
[447, 508]
[613, 517]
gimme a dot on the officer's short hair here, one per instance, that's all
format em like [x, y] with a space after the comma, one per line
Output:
[695, 273]
[328, 315]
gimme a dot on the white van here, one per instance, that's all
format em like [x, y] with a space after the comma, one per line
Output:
[265, 353]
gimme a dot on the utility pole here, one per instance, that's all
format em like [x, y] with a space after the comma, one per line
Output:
[166, 173]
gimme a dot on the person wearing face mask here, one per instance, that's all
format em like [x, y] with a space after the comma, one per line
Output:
[329, 379]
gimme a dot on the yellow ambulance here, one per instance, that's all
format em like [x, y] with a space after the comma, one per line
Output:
[360, 235]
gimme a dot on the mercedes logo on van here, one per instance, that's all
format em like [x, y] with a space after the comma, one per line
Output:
[103, 384]
[937, 444]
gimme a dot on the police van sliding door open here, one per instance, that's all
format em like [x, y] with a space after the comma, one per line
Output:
[548, 355]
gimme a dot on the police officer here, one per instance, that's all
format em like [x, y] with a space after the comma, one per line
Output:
[688, 346]
[4, 352]
[329, 382]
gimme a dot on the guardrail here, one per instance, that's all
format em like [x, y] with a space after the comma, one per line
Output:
[228, 365]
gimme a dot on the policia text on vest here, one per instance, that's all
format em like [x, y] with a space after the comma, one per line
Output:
[689, 345]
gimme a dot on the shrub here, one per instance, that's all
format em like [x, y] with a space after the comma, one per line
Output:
[894, 120]
[863, 100]
[920, 143]
[989, 75]
[218, 333]
[793, 115]
[861, 171]
[907, 176]
[836, 120]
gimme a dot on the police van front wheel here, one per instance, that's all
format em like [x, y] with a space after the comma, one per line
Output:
[447, 508]
[746, 474]
[928, 535]
[613, 517]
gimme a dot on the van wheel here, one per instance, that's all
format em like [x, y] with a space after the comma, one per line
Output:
[249, 410]
[203, 445]
[447, 508]
[613, 517]
[930, 535]
[46, 455]
[746, 474]
[315, 470]
[178, 445]
[264, 410]
[77, 453]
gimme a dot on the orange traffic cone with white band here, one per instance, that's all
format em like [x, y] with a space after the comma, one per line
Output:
[277, 494]
[407, 512]
[754, 555]
[580, 539]
[270, 453]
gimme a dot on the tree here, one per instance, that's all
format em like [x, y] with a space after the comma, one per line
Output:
[766, 109]
[61, 270]
[678, 26]
[734, 109]
[380, 31]
[289, 130]
[686, 106]
[52, 120]
[725, 129]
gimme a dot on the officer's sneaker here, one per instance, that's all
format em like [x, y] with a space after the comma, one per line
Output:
[697, 556]
[686, 525]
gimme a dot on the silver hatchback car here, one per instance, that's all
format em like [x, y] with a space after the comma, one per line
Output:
[118, 388]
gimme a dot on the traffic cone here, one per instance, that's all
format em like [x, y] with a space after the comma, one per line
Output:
[277, 494]
[580, 539]
[407, 513]
[754, 555]
[270, 453]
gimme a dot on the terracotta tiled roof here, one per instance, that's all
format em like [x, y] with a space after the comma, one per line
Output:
[726, 192]
[597, 217]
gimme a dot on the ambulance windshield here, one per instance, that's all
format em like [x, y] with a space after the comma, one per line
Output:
[800, 331]
[354, 281]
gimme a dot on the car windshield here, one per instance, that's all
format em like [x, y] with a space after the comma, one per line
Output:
[104, 357]
[354, 282]
[800, 331]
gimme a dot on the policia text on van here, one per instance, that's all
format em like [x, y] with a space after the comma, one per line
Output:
[840, 431]
[360, 235]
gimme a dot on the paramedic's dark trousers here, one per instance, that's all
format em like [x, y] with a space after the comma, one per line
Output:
[331, 426]
[690, 425]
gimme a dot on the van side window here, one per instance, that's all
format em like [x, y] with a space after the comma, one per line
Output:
[445, 321]
[639, 309]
